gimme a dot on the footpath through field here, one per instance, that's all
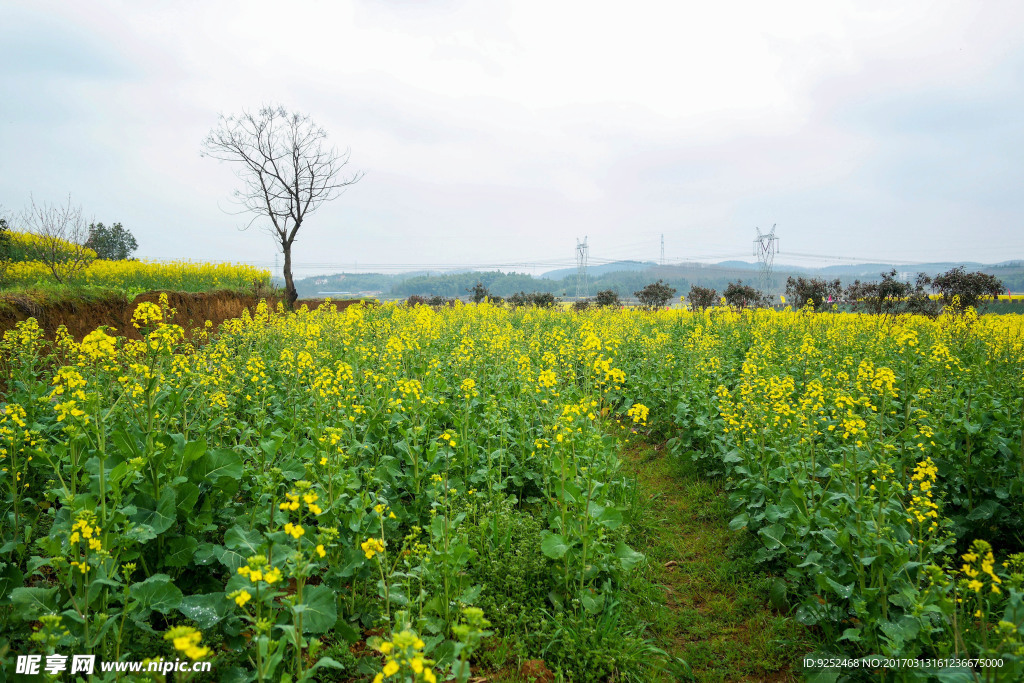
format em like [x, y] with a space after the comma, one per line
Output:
[716, 615]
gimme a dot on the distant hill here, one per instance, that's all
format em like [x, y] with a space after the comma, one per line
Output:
[737, 265]
[873, 269]
[594, 271]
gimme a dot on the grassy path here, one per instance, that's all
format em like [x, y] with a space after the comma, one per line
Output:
[715, 615]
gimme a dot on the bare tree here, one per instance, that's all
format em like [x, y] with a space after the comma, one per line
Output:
[286, 169]
[60, 233]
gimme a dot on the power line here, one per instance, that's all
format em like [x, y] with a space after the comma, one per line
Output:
[549, 263]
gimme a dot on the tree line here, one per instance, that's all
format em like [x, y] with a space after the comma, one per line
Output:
[957, 289]
[891, 295]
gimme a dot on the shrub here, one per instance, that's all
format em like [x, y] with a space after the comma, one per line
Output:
[478, 293]
[967, 289]
[892, 296]
[438, 300]
[739, 296]
[814, 290]
[655, 295]
[702, 298]
[607, 297]
[538, 299]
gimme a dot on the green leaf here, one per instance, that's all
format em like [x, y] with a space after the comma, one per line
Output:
[206, 553]
[162, 518]
[140, 533]
[1014, 612]
[772, 536]
[470, 595]
[98, 584]
[553, 545]
[951, 675]
[320, 611]
[740, 521]
[232, 559]
[10, 578]
[271, 446]
[193, 451]
[900, 632]
[205, 610]
[216, 464]
[237, 675]
[292, 470]
[179, 551]
[188, 496]
[349, 633]
[822, 675]
[812, 560]
[128, 444]
[851, 634]
[627, 557]
[777, 595]
[842, 591]
[323, 663]
[610, 518]
[806, 614]
[568, 492]
[245, 541]
[732, 456]
[984, 511]
[156, 593]
[593, 603]
[32, 603]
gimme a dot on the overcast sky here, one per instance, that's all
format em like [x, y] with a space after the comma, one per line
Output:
[498, 132]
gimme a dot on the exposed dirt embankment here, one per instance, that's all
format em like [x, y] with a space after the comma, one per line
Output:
[81, 316]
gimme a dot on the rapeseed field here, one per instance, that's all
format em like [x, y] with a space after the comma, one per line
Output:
[444, 489]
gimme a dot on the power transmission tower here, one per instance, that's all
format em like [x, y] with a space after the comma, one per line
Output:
[663, 249]
[765, 247]
[582, 251]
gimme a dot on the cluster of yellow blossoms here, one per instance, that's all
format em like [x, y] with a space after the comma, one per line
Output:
[372, 546]
[979, 565]
[86, 532]
[922, 507]
[639, 413]
[186, 640]
[14, 439]
[147, 314]
[404, 652]
[255, 569]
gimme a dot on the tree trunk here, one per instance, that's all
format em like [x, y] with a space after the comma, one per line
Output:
[291, 295]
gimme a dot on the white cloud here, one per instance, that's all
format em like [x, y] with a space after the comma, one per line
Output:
[504, 130]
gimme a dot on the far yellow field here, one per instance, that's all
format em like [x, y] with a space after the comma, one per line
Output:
[183, 275]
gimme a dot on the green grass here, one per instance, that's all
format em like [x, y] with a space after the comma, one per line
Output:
[715, 615]
[52, 293]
